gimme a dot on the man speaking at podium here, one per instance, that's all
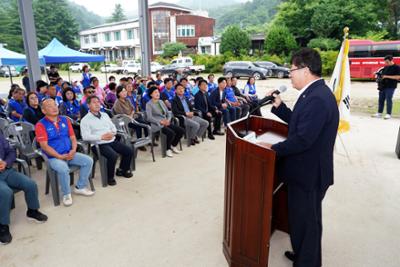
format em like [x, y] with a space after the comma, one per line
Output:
[307, 155]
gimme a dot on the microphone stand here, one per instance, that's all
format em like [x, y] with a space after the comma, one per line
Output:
[245, 132]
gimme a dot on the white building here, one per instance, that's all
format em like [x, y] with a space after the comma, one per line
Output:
[116, 41]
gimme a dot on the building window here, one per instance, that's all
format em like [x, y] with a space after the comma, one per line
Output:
[186, 31]
[86, 39]
[129, 34]
[94, 38]
[161, 24]
[107, 37]
[117, 36]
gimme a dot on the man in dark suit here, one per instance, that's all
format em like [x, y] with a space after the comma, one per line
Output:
[183, 110]
[202, 103]
[218, 99]
[307, 155]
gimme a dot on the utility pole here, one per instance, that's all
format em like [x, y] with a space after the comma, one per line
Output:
[30, 43]
[144, 37]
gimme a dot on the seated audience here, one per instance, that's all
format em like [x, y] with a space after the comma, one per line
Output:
[97, 126]
[182, 107]
[41, 89]
[57, 140]
[99, 92]
[203, 104]
[245, 99]
[10, 180]
[52, 91]
[233, 101]
[211, 84]
[160, 119]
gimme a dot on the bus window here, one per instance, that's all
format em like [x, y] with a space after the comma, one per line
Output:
[383, 50]
[360, 51]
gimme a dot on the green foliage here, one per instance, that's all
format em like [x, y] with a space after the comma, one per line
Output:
[324, 43]
[279, 40]
[117, 15]
[252, 13]
[162, 60]
[235, 40]
[172, 49]
[85, 18]
[50, 22]
[373, 35]
[328, 61]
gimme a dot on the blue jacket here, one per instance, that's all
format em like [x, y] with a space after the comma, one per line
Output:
[307, 153]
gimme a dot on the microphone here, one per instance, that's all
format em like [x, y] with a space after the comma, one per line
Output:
[270, 98]
[265, 101]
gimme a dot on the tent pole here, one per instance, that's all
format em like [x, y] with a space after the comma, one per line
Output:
[105, 69]
[69, 77]
[9, 71]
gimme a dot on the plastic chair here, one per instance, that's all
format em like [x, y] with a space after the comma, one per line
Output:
[121, 122]
[20, 133]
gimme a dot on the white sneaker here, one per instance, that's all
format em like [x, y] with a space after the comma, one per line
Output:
[175, 150]
[83, 191]
[377, 115]
[387, 116]
[67, 200]
[169, 153]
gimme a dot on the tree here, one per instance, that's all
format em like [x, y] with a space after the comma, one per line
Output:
[172, 49]
[234, 40]
[118, 14]
[279, 41]
[324, 44]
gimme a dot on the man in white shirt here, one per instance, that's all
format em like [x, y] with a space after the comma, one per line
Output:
[97, 127]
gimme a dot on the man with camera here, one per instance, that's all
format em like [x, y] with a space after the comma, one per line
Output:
[387, 79]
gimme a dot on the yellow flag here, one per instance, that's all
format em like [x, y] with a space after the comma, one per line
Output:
[340, 84]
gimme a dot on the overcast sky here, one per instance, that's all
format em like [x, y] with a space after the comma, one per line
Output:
[105, 8]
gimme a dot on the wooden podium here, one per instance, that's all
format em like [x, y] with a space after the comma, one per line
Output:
[255, 201]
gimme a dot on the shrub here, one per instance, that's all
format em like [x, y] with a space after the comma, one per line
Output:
[324, 44]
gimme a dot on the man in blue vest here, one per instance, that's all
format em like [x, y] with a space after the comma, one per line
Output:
[57, 140]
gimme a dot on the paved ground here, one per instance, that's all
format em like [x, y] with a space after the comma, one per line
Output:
[171, 212]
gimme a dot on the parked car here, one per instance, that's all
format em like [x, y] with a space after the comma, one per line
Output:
[183, 63]
[132, 68]
[109, 68]
[275, 70]
[20, 69]
[155, 66]
[244, 69]
[6, 71]
[77, 67]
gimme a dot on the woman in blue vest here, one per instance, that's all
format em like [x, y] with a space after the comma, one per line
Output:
[86, 76]
[250, 88]
[70, 106]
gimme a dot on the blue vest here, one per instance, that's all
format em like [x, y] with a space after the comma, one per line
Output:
[170, 95]
[72, 109]
[230, 94]
[132, 98]
[211, 87]
[16, 106]
[252, 89]
[58, 139]
[86, 79]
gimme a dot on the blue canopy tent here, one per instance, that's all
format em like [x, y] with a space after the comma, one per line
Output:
[11, 58]
[56, 53]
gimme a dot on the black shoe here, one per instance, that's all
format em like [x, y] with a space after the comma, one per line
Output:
[290, 255]
[193, 143]
[218, 133]
[210, 136]
[142, 148]
[127, 174]
[196, 140]
[155, 144]
[5, 236]
[112, 182]
[36, 216]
